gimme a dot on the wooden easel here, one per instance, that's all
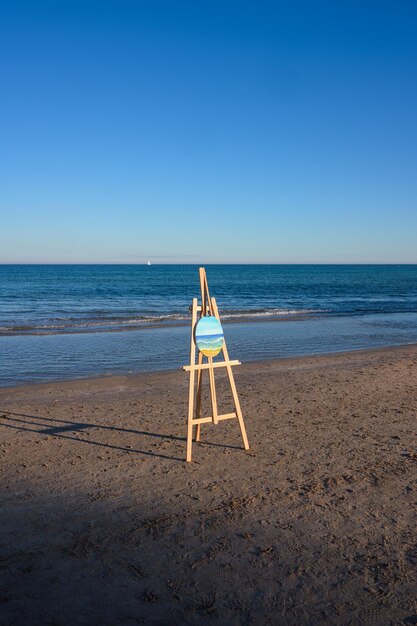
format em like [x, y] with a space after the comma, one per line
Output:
[208, 306]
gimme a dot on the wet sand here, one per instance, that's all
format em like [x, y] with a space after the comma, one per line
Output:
[102, 521]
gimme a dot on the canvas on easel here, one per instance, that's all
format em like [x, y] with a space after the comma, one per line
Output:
[207, 338]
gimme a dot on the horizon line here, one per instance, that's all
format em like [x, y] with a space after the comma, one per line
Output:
[200, 263]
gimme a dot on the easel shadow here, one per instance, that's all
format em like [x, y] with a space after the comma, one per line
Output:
[24, 422]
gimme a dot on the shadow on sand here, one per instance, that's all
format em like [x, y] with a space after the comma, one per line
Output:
[24, 422]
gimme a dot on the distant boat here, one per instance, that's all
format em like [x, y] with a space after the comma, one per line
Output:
[149, 263]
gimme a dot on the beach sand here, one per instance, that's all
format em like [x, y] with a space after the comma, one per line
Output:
[102, 521]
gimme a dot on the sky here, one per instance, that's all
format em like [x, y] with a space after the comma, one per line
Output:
[208, 131]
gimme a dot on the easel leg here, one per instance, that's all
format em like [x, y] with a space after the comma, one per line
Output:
[213, 391]
[191, 390]
[190, 417]
[233, 385]
[237, 407]
[198, 405]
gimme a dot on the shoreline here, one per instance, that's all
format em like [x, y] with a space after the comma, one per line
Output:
[245, 364]
[35, 358]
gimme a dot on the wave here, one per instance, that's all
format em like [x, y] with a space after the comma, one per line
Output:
[102, 323]
[270, 312]
[207, 344]
[217, 337]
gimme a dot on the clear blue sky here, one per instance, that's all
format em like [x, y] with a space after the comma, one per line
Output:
[208, 131]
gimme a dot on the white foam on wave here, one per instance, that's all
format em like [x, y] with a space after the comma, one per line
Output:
[105, 323]
[271, 313]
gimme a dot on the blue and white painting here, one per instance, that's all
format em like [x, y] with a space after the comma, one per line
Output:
[209, 336]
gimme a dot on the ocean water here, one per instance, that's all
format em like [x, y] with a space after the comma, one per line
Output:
[69, 321]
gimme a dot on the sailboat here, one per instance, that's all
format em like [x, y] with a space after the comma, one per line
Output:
[149, 263]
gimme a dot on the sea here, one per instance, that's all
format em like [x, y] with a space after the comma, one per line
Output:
[61, 322]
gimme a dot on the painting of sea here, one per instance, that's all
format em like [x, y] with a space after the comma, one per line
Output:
[209, 336]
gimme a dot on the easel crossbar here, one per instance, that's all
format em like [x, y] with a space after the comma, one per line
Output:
[206, 420]
[206, 366]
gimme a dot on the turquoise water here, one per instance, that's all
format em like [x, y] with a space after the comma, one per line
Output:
[209, 342]
[60, 321]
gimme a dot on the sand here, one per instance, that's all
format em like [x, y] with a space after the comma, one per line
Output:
[102, 521]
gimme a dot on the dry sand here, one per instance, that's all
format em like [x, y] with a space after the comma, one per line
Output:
[102, 522]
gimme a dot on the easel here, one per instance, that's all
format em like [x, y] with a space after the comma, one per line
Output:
[208, 306]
